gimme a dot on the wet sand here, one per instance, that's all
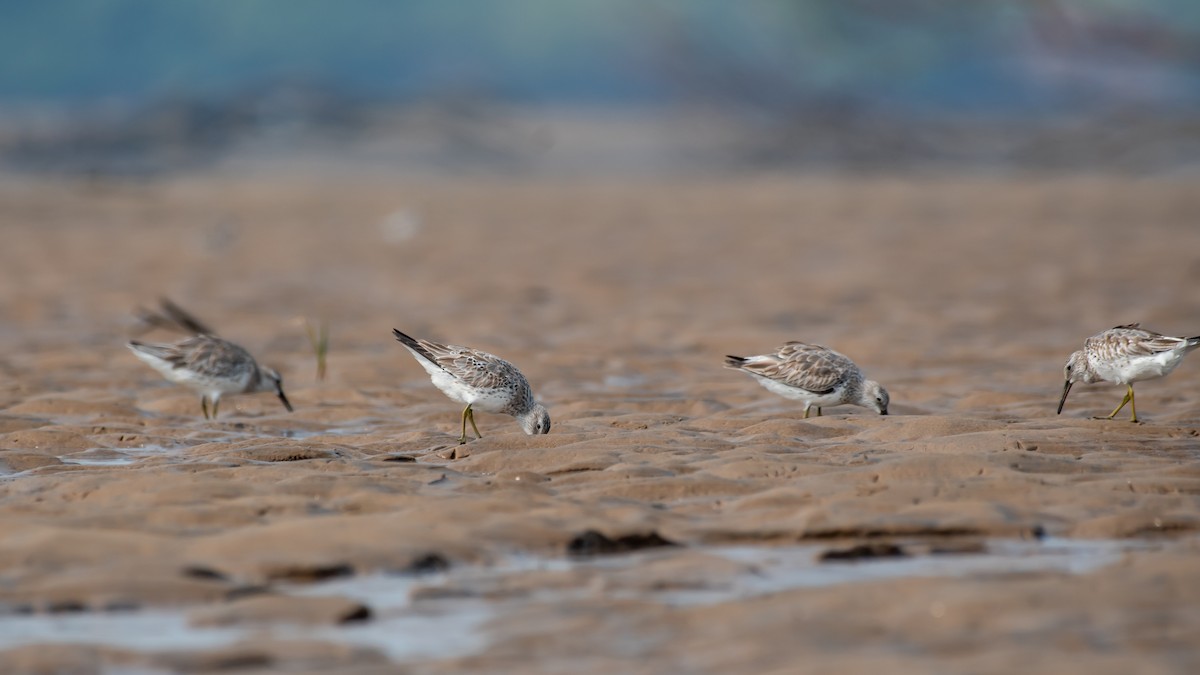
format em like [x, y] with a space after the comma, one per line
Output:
[618, 300]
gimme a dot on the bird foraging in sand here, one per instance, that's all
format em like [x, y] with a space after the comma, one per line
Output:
[1124, 355]
[814, 374]
[206, 363]
[480, 380]
[211, 366]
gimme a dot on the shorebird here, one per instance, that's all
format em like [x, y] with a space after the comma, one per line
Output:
[212, 367]
[480, 380]
[1124, 355]
[816, 375]
[206, 363]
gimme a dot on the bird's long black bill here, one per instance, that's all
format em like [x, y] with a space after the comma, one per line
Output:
[283, 398]
[1063, 400]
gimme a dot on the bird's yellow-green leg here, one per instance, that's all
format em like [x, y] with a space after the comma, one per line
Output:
[204, 405]
[818, 411]
[462, 438]
[806, 409]
[216, 402]
[1128, 399]
[471, 416]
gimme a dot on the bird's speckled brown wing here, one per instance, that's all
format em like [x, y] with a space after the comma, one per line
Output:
[204, 355]
[812, 368]
[1128, 341]
[471, 366]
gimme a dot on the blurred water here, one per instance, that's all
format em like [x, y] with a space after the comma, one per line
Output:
[539, 85]
[450, 616]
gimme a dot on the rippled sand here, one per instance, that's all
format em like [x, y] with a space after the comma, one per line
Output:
[618, 301]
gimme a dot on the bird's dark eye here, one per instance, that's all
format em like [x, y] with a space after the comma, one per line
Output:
[1068, 369]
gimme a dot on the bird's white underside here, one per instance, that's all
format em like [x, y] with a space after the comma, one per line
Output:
[810, 399]
[1137, 368]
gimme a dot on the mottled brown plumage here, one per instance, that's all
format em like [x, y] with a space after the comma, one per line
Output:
[813, 368]
[211, 366]
[475, 369]
[814, 374]
[480, 380]
[205, 356]
[1124, 355]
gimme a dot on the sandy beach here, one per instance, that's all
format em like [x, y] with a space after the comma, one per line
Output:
[678, 517]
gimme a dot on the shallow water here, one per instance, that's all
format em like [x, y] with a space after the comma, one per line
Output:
[413, 635]
[450, 615]
[107, 461]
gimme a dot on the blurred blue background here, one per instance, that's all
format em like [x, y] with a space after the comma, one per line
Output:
[208, 74]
